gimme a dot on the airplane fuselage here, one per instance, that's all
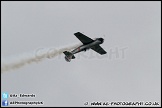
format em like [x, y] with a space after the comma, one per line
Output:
[88, 43]
[87, 46]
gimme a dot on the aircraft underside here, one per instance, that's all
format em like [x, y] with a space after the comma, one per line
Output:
[87, 44]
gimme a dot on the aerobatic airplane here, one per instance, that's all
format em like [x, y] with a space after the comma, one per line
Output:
[87, 44]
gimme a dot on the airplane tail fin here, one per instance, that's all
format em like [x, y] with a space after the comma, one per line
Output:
[68, 56]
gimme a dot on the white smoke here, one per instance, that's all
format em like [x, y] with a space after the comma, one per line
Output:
[36, 56]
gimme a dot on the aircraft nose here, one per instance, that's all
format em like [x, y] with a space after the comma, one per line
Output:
[102, 40]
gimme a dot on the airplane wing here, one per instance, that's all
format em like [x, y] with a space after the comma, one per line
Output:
[99, 49]
[84, 39]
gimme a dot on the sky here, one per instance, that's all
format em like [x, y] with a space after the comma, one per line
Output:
[130, 71]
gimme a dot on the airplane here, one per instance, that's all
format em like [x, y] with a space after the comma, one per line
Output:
[87, 44]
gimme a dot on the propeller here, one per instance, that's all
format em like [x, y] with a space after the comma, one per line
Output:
[104, 37]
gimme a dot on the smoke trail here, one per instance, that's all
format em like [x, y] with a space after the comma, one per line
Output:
[36, 56]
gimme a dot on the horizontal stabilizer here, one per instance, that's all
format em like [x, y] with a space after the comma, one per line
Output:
[69, 55]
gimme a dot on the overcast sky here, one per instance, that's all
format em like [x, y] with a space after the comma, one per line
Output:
[130, 71]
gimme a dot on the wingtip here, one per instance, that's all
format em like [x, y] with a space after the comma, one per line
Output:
[76, 33]
[104, 53]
